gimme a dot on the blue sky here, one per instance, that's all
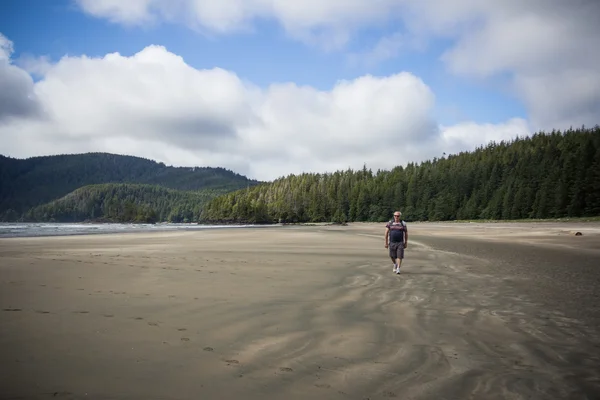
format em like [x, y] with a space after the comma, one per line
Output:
[56, 28]
[310, 87]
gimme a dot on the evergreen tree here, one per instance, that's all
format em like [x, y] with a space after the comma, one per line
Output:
[547, 175]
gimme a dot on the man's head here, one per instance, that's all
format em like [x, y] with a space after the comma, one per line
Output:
[397, 215]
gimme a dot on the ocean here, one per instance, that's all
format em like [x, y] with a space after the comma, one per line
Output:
[34, 229]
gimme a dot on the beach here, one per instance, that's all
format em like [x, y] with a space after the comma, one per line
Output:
[480, 311]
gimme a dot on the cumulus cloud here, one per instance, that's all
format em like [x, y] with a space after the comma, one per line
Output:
[537, 43]
[549, 49]
[17, 98]
[153, 104]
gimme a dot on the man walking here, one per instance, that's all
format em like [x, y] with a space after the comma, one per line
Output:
[396, 238]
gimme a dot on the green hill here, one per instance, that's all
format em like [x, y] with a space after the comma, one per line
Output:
[124, 203]
[26, 183]
[548, 175]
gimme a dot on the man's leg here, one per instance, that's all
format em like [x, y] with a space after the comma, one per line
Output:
[394, 255]
[399, 256]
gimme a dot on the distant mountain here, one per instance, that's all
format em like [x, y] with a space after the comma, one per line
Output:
[122, 202]
[26, 183]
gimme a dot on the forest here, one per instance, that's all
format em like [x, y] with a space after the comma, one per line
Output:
[33, 182]
[547, 175]
[124, 203]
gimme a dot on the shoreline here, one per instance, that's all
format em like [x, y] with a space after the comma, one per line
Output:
[83, 229]
[532, 232]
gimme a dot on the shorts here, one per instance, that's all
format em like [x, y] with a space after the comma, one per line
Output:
[396, 250]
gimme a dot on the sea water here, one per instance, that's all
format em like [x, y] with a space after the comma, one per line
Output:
[32, 229]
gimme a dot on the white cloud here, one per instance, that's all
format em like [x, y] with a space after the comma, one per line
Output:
[154, 105]
[386, 48]
[17, 98]
[36, 66]
[328, 24]
[6, 49]
[536, 43]
[549, 48]
[129, 12]
[469, 135]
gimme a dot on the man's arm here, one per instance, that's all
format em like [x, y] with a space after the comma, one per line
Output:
[405, 237]
[387, 233]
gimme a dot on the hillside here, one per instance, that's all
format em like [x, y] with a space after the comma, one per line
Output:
[124, 203]
[549, 175]
[25, 183]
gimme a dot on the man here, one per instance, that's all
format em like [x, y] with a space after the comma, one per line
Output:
[396, 238]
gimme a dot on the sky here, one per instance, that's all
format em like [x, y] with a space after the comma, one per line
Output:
[268, 88]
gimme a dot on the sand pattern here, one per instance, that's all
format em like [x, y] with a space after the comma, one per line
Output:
[297, 313]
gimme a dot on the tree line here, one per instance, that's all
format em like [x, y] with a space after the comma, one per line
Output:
[124, 203]
[547, 175]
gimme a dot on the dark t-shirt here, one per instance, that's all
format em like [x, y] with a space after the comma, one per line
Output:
[397, 230]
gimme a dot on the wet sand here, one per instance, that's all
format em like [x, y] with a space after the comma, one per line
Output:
[303, 312]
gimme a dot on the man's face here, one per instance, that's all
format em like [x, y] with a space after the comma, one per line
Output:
[396, 216]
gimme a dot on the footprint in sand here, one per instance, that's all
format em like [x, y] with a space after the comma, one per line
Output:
[185, 339]
[61, 394]
[323, 385]
[389, 394]
[12, 309]
[138, 318]
[182, 329]
[285, 369]
[42, 312]
[81, 312]
[108, 315]
[208, 349]
[229, 362]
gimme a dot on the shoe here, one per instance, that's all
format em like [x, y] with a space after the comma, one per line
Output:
[395, 268]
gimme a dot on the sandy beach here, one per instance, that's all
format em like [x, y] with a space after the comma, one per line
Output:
[480, 311]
